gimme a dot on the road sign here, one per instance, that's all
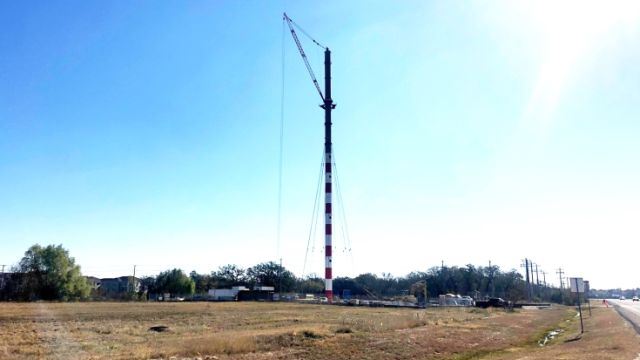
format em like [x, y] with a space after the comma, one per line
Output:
[577, 285]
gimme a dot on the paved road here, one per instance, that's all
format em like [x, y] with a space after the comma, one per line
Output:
[629, 310]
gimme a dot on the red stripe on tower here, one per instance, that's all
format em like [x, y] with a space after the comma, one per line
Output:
[328, 166]
[328, 230]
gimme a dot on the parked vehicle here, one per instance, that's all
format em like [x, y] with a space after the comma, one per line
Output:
[492, 302]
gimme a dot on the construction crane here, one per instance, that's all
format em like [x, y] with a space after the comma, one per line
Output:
[291, 24]
[327, 105]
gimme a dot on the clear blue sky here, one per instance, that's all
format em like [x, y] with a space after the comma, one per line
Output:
[148, 133]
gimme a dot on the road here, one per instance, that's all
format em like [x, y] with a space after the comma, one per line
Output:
[628, 309]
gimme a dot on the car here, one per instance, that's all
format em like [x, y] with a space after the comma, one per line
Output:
[635, 298]
[623, 298]
[492, 302]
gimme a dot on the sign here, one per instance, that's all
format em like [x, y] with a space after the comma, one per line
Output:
[577, 285]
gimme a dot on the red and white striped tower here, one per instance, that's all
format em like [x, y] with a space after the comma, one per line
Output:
[327, 105]
[328, 276]
[328, 162]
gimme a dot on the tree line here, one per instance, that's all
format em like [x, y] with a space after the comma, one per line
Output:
[49, 273]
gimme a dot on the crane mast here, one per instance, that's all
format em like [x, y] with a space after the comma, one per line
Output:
[327, 105]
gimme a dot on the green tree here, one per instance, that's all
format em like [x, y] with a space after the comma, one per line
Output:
[310, 285]
[229, 275]
[272, 274]
[49, 273]
[174, 282]
[202, 281]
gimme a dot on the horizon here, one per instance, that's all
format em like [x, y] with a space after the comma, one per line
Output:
[149, 135]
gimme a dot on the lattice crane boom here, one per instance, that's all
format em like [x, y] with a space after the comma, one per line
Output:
[290, 23]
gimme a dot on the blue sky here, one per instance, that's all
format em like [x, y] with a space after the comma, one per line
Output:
[148, 134]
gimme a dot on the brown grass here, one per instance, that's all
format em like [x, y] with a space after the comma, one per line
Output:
[606, 336]
[262, 330]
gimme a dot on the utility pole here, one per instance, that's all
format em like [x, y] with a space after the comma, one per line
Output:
[426, 301]
[560, 273]
[544, 278]
[526, 266]
[537, 278]
[133, 280]
[493, 285]
[532, 285]
[280, 281]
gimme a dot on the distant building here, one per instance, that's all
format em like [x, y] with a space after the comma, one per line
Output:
[4, 279]
[226, 294]
[93, 282]
[241, 293]
[119, 285]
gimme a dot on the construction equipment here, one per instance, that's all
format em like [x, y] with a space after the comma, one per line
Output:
[327, 105]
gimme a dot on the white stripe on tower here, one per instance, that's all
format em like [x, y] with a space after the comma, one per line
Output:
[328, 278]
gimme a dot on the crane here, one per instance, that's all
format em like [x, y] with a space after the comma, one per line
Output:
[327, 105]
[291, 24]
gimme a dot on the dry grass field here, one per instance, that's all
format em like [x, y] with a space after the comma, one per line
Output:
[607, 336]
[265, 330]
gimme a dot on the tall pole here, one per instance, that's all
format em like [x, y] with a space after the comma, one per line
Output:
[133, 280]
[531, 284]
[560, 273]
[493, 285]
[280, 281]
[526, 266]
[328, 162]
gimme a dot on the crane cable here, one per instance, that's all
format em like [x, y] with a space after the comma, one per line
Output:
[291, 25]
[279, 225]
[305, 33]
[343, 217]
[314, 215]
